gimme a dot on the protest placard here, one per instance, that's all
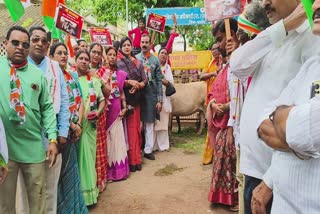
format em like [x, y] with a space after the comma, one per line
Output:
[69, 21]
[221, 9]
[100, 35]
[190, 60]
[156, 22]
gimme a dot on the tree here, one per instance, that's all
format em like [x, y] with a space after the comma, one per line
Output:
[113, 12]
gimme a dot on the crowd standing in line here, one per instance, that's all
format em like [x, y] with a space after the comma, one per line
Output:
[83, 117]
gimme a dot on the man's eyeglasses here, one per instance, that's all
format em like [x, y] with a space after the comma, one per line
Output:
[44, 41]
[62, 52]
[16, 44]
[96, 53]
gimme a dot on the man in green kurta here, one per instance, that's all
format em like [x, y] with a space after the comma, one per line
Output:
[151, 103]
[25, 107]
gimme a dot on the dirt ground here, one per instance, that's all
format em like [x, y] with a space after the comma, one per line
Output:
[184, 191]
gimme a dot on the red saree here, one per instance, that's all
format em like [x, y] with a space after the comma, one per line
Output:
[223, 188]
[101, 154]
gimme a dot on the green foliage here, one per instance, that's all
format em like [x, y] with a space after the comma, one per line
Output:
[83, 7]
[199, 36]
[189, 140]
[114, 12]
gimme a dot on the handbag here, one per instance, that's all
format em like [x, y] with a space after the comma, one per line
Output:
[170, 90]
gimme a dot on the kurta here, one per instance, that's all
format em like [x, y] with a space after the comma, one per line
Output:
[25, 141]
[153, 91]
[294, 179]
[161, 126]
[273, 58]
[87, 145]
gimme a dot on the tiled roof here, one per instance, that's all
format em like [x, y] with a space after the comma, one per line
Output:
[31, 17]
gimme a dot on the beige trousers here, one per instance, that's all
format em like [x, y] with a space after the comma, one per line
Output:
[52, 178]
[34, 183]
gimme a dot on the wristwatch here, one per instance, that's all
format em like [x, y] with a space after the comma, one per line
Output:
[53, 141]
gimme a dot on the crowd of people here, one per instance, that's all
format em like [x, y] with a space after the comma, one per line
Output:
[68, 126]
[263, 137]
[72, 125]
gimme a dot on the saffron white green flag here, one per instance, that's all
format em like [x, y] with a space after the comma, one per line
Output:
[307, 4]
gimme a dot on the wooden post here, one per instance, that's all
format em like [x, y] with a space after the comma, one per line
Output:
[227, 26]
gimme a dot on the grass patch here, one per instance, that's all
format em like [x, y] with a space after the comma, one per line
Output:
[169, 169]
[189, 140]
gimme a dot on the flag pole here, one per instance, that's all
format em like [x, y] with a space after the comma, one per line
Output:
[227, 26]
[127, 14]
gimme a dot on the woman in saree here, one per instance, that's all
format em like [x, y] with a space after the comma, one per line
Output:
[70, 199]
[161, 126]
[223, 188]
[118, 166]
[136, 81]
[94, 104]
[96, 70]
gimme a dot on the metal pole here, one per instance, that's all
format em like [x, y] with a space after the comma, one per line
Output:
[127, 15]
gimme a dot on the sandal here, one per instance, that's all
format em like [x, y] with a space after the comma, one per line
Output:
[234, 208]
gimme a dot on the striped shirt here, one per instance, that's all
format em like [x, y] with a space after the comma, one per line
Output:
[296, 182]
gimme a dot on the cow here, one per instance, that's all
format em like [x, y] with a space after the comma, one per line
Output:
[189, 99]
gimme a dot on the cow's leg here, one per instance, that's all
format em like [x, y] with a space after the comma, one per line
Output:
[179, 124]
[202, 121]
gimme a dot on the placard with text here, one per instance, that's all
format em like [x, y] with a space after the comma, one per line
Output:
[69, 21]
[156, 22]
[100, 35]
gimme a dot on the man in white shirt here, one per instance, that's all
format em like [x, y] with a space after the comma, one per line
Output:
[273, 58]
[292, 130]
[3, 154]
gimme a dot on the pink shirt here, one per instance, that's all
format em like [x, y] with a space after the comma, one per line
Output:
[137, 36]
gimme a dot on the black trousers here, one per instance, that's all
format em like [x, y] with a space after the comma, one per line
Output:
[250, 183]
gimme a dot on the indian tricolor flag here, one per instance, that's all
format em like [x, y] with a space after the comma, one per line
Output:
[307, 4]
[15, 9]
[48, 13]
[248, 26]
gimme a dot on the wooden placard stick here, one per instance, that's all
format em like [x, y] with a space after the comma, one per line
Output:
[227, 26]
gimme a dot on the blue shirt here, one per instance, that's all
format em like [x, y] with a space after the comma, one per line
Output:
[63, 116]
